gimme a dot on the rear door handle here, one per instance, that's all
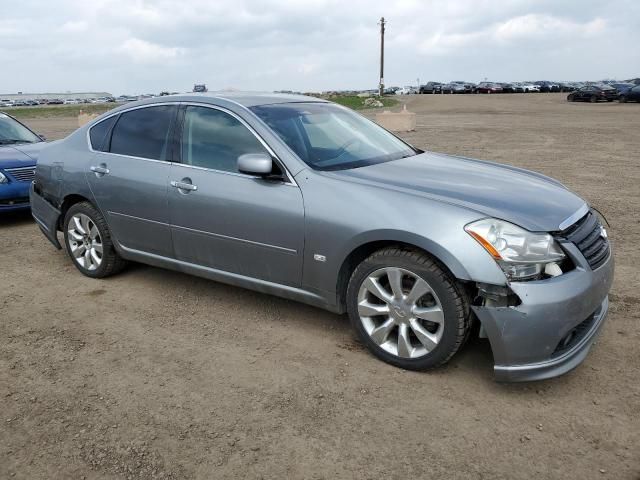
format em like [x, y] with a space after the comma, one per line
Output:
[184, 186]
[100, 170]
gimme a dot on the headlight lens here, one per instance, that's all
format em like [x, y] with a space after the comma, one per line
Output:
[3, 178]
[521, 254]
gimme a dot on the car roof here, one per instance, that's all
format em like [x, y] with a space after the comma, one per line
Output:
[246, 99]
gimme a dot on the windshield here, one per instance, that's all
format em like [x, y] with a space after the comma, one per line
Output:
[329, 137]
[12, 132]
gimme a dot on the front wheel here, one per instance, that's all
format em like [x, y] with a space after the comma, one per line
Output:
[406, 309]
[593, 99]
[88, 242]
[622, 99]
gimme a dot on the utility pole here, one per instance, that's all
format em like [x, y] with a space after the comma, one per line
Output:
[381, 86]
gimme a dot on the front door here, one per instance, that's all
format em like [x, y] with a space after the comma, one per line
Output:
[223, 219]
[129, 176]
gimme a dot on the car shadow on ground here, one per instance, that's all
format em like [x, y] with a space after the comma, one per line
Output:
[15, 218]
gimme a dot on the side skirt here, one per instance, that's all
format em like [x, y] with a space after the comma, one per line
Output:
[229, 278]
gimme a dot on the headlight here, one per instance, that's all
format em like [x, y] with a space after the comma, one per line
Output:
[521, 254]
[3, 178]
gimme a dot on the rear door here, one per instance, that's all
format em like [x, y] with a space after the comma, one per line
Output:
[129, 175]
[226, 220]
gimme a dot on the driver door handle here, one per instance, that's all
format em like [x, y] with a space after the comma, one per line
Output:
[183, 186]
[100, 170]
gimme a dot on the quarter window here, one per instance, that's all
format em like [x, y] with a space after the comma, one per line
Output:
[98, 134]
[144, 132]
[214, 139]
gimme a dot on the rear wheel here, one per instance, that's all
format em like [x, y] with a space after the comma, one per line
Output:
[622, 99]
[593, 99]
[406, 309]
[88, 242]
[571, 98]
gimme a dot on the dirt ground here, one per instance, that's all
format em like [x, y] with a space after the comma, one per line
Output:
[155, 374]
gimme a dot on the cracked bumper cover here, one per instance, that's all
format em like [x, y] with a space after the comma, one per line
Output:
[45, 215]
[525, 339]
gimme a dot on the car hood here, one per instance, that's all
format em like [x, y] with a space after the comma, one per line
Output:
[528, 199]
[22, 155]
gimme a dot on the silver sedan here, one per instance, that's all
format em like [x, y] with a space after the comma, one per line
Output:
[301, 198]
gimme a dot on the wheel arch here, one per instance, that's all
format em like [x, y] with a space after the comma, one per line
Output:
[366, 246]
[67, 203]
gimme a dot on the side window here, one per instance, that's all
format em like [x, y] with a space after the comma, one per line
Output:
[144, 132]
[214, 139]
[98, 134]
[636, 89]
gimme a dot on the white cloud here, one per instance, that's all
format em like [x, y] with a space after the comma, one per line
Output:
[74, 26]
[147, 52]
[129, 46]
[535, 26]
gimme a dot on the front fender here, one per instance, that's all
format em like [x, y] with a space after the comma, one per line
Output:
[337, 223]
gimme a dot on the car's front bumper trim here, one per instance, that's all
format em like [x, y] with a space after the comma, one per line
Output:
[558, 365]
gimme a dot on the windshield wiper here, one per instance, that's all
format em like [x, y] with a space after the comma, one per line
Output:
[12, 141]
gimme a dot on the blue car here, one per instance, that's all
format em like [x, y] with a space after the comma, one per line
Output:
[19, 150]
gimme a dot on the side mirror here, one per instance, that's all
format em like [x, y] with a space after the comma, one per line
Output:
[259, 164]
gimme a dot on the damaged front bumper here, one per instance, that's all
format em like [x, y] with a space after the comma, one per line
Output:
[551, 331]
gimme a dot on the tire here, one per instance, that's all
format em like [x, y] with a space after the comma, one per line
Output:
[593, 99]
[622, 99]
[444, 303]
[571, 98]
[84, 248]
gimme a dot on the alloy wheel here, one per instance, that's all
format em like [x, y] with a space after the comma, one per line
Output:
[400, 312]
[85, 242]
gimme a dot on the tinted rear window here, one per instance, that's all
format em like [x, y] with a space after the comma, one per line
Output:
[98, 134]
[144, 132]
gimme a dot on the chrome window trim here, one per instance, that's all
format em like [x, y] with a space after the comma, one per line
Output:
[290, 180]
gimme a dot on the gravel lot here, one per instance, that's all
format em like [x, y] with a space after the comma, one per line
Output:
[155, 374]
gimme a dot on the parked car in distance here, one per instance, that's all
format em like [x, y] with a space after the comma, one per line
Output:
[631, 95]
[568, 86]
[622, 87]
[546, 86]
[530, 87]
[303, 198]
[19, 150]
[593, 94]
[54, 101]
[488, 87]
[408, 90]
[507, 87]
[430, 87]
[454, 87]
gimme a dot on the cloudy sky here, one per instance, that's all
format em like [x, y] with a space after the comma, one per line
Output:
[135, 46]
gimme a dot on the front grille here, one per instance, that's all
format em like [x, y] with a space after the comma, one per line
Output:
[588, 235]
[572, 338]
[22, 174]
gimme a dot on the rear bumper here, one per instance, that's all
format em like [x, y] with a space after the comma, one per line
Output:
[46, 216]
[14, 196]
[552, 330]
